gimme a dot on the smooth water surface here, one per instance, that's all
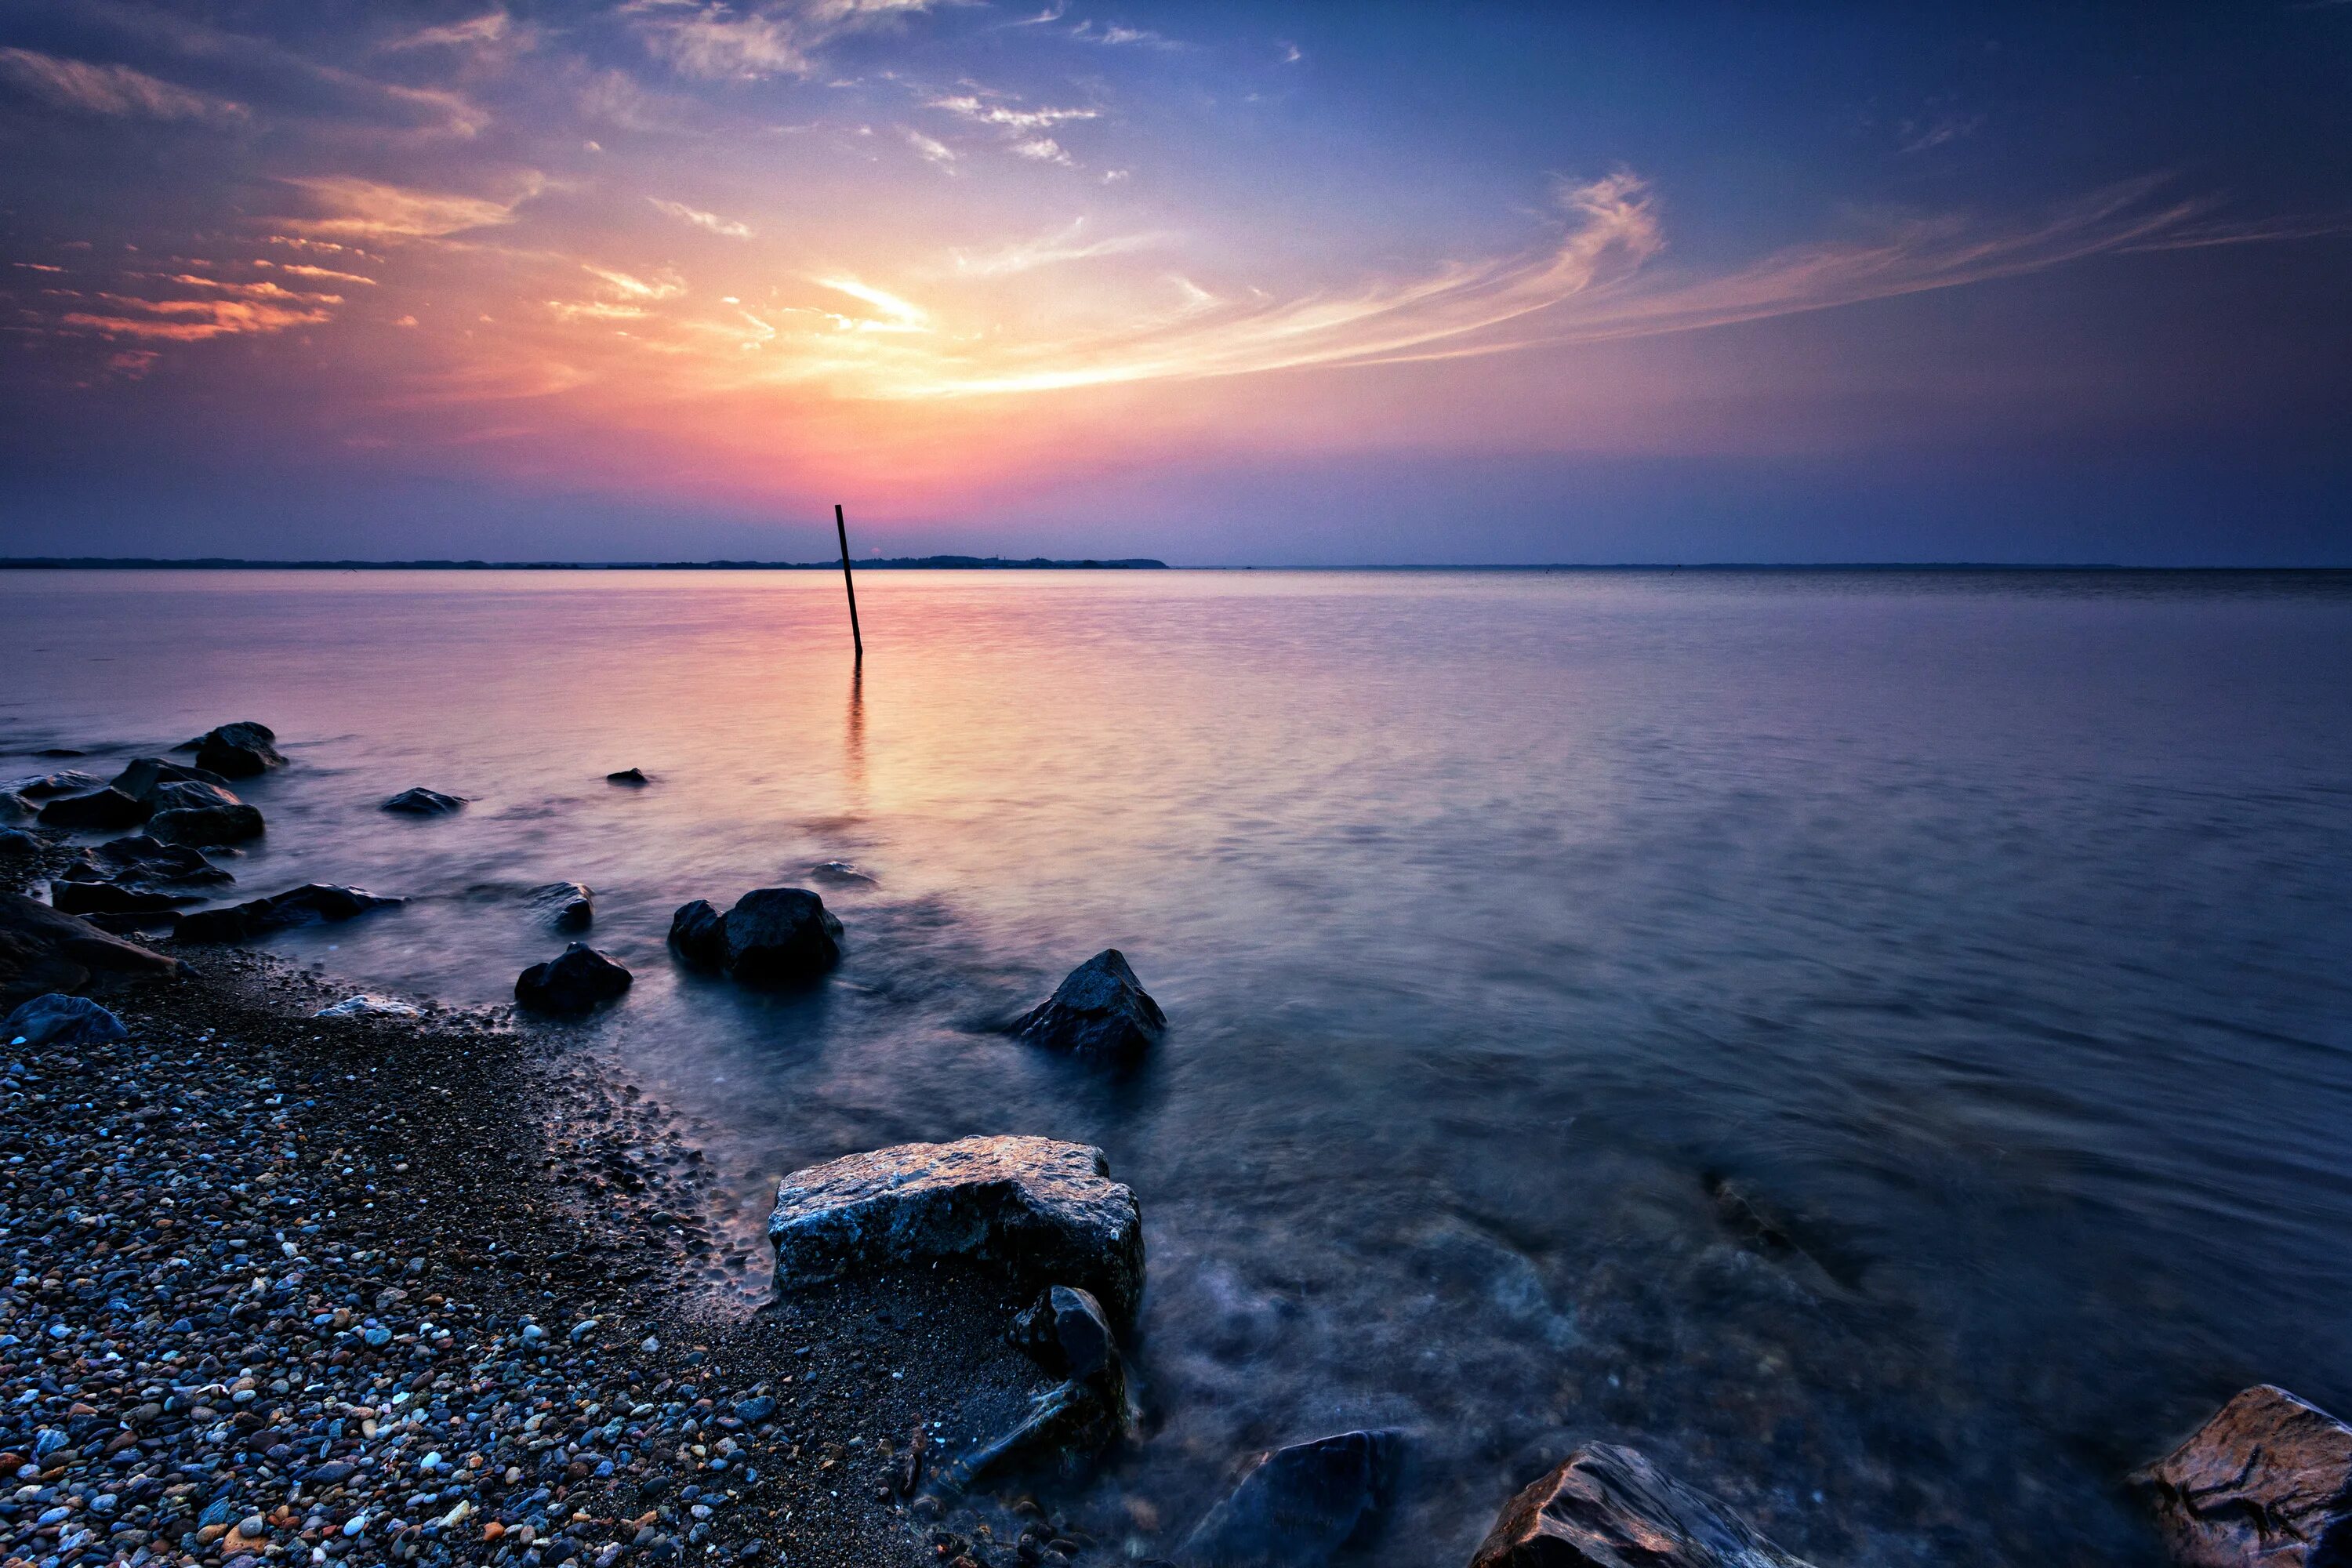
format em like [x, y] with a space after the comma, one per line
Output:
[1991, 932]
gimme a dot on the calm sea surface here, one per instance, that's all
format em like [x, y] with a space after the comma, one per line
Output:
[1993, 932]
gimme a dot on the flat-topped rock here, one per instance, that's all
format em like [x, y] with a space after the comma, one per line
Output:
[1608, 1506]
[2267, 1483]
[1297, 1506]
[307, 905]
[1100, 1011]
[43, 949]
[1036, 1209]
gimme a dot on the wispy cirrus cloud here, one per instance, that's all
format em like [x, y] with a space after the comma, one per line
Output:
[930, 148]
[369, 209]
[711, 222]
[489, 28]
[1064, 244]
[718, 42]
[112, 90]
[192, 321]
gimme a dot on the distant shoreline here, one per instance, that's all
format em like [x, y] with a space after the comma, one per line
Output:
[1129, 563]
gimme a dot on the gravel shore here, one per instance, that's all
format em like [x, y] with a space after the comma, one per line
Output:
[283, 1288]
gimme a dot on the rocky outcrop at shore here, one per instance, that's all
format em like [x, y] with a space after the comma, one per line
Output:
[1035, 1209]
[2265, 1483]
[1101, 1011]
[1297, 1507]
[308, 905]
[239, 751]
[43, 949]
[772, 937]
[1608, 1506]
[421, 802]
[579, 981]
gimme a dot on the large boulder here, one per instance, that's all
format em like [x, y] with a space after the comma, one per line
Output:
[108, 810]
[145, 775]
[1101, 1011]
[310, 904]
[781, 936]
[191, 812]
[239, 751]
[423, 802]
[1297, 1506]
[579, 981]
[697, 933]
[2267, 1483]
[564, 906]
[1035, 1209]
[57, 1019]
[1607, 1507]
[42, 948]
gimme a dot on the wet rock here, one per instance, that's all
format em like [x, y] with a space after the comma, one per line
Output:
[239, 751]
[423, 802]
[57, 1019]
[781, 936]
[2267, 1481]
[48, 786]
[697, 933]
[307, 905]
[1066, 1422]
[1066, 1331]
[632, 776]
[579, 981]
[1608, 1506]
[1101, 1011]
[146, 776]
[564, 906]
[1036, 1209]
[109, 899]
[106, 810]
[1297, 1506]
[142, 857]
[191, 812]
[42, 948]
[366, 1007]
[840, 874]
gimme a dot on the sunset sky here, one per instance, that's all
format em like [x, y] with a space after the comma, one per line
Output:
[1247, 284]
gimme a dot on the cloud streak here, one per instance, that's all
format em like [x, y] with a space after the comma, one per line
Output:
[700, 220]
[114, 91]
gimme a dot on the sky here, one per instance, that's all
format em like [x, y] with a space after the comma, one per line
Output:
[1224, 284]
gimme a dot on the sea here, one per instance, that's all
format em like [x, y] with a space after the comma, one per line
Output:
[1879, 1042]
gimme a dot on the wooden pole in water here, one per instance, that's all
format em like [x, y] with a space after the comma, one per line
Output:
[842, 528]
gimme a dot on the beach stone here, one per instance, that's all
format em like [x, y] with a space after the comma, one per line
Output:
[146, 858]
[628, 776]
[423, 802]
[1100, 1011]
[83, 897]
[310, 904]
[239, 751]
[194, 813]
[1037, 1209]
[1068, 1334]
[146, 776]
[565, 906]
[366, 1007]
[697, 933]
[778, 936]
[577, 980]
[1298, 1506]
[42, 948]
[1608, 1506]
[106, 810]
[72, 781]
[57, 1019]
[2267, 1481]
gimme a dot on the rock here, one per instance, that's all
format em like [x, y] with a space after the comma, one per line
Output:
[57, 1019]
[144, 857]
[307, 905]
[1068, 1334]
[17, 841]
[1607, 1507]
[564, 906]
[1101, 1011]
[780, 936]
[70, 782]
[146, 776]
[2267, 1482]
[840, 874]
[697, 933]
[239, 751]
[366, 1006]
[628, 776]
[107, 810]
[60, 752]
[1036, 1209]
[191, 812]
[42, 948]
[1297, 1506]
[423, 802]
[577, 981]
[77, 898]
[1069, 1419]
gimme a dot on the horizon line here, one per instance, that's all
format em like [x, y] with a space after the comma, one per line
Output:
[954, 562]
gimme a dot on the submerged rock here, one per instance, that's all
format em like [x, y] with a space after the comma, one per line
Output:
[1100, 1011]
[1036, 1209]
[628, 776]
[1608, 1506]
[578, 982]
[565, 906]
[780, 936]
[146, 776]
[2267, 1483]
[366, 1006]
[70, 782]
[1299, 1505]
[144, 857]
[697, 933]
[108, 810]
[841, 874]
[239, 751]
[42, 948]
[57, 1019]
[307, 905]
[423, 802]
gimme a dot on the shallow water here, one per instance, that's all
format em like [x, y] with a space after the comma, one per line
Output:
[1989, 931]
